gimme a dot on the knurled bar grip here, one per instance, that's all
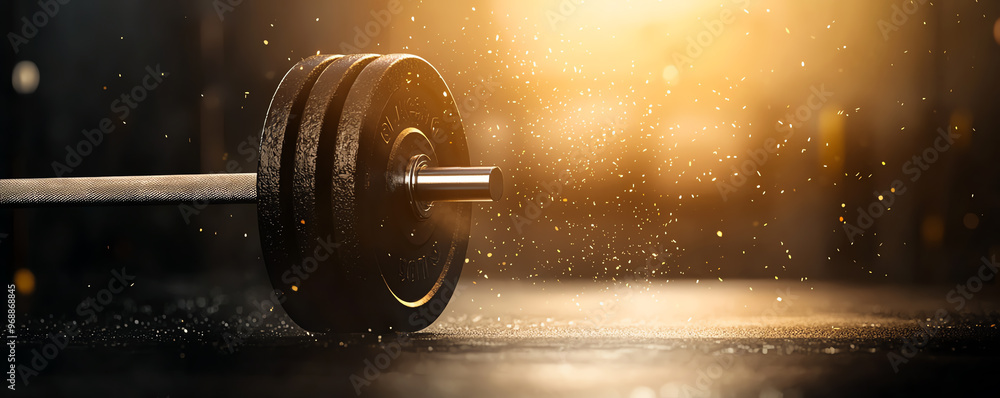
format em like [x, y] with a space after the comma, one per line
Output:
[131, 190]
[429, 184]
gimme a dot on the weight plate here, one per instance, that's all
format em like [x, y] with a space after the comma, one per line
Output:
[322, 282]
[398, 107]
[275, 169]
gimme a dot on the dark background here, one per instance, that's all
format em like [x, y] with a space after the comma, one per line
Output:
[634, 207]
[635, 281]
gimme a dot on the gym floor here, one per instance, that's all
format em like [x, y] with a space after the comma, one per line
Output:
[718, 198]
[677, 339]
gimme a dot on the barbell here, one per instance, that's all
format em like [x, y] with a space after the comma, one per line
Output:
[363, 192]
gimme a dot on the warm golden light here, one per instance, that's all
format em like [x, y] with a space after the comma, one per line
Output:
[24, 279]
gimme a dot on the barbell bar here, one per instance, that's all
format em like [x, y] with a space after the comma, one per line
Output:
[428, 184]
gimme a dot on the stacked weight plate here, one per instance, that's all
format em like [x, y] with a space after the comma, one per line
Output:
[346, 248]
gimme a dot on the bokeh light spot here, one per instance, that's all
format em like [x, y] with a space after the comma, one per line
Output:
[996, 31]
[970, 220]
[932, 230]
[24, 280]
[25, 77]
[671, 75]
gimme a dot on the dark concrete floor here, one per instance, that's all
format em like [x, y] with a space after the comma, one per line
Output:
[573, 339]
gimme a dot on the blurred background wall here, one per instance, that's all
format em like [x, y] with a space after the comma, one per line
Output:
[665, 139]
